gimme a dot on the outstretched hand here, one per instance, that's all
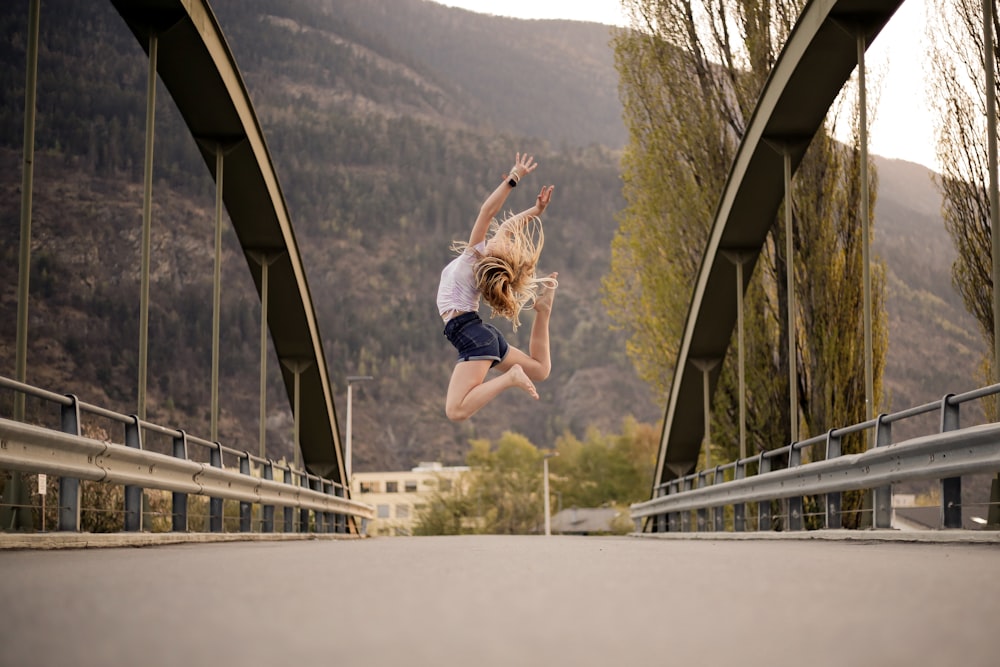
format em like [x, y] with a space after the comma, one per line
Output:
[544, 197]
[523, 165]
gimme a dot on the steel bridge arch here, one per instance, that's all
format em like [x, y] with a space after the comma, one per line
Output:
[195, 64]
[815, 63]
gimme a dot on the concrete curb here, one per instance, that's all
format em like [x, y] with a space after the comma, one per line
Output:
[50, 541]
[920, 536]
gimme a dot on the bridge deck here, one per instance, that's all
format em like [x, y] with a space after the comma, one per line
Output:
[487, 600]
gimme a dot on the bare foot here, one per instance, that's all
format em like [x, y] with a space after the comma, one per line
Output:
[521, 380]
[544, 301]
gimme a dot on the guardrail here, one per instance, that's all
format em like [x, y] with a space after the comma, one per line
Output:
[946, 455]
[74, 457]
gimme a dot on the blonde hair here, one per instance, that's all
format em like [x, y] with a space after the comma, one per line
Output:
[505, 274]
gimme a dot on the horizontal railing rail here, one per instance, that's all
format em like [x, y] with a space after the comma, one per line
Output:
[71, 456]
[945, 455]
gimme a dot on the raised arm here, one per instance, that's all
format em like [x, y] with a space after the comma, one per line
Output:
[523, 165]
[541, 203]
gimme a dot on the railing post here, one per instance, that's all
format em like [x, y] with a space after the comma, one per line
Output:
[133, 494]
[702, 511]
[179, 508]
[246, 509]
[215, 506]
[69, 487]
[289, 511]
[317, 485]
[882, 496]
[795, 502]
[673, 518]
[833, 450]
[267, 525]
[330, 517]
[660, 525]
[719, 512]
[951, 488]
[740, 509]
[763, 506]
[686, 484]
[340, 518]
[304, 512]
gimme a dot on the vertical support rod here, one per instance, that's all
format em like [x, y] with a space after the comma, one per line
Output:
[16, 492]
[263, 353]
[347, 444]
[707, 407]
[296, 366]
[27, 186]
[264, 259]
[991, 142]
[69, 487]
[296, 405]
[705, 366]
[741, 358]
[217, 291]
[793, 389]
[147, 219]
[865, 228]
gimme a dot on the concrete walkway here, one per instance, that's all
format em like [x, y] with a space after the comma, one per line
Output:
[512, 601]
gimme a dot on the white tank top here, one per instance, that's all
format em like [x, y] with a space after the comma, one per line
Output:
[457, 289]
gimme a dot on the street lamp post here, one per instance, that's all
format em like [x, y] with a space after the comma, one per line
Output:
[347, 448]
[545, 490]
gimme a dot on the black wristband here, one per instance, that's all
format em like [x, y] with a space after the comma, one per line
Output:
[512, 182]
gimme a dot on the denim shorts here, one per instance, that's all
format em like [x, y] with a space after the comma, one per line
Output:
[475, 340]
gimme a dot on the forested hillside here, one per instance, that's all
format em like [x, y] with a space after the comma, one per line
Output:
[388, 122]
[384, 156]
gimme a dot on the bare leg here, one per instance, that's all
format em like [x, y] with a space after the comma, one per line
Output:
[538, 362]
[467, 391]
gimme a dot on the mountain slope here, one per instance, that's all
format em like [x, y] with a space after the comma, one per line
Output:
[388, 122]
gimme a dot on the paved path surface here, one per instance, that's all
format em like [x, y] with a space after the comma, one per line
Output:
[512, 601]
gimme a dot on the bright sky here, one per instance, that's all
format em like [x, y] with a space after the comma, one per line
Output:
[901, 124]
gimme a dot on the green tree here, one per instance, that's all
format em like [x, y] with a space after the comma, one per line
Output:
[447, 513]
[605, 468]
[690, 76]
[507, 484]
[956, 92]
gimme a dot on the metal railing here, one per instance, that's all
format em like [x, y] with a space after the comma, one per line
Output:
[945, 455]
[74, 457]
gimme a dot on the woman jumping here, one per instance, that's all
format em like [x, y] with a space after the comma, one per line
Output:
[501, 270]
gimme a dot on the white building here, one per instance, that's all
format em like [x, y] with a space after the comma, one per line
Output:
[399, 497]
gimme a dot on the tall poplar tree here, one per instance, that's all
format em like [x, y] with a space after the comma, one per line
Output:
[957, 95]
[690, 76]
